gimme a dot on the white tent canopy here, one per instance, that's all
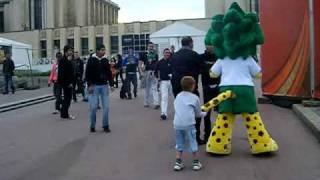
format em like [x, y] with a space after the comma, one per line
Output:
[21, 53]
[172, 35]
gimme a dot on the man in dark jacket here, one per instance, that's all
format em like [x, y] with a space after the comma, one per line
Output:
[187, 62]
[209, 86]
[65, 80]
[8, 72]
[99, 76]
[130, 65]
[163, 73]
[78, 74]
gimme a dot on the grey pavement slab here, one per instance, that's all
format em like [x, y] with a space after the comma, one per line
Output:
[24, 94]
[36, 145]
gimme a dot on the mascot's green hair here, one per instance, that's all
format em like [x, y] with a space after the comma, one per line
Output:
[235, 34]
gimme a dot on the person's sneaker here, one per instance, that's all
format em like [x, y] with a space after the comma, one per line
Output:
[55, 112]
[178, 166]
[85, 100]
[156, 107]
[135, 95]
[196, 165]
[146, 106]
[71, 117]
[129, 97]
[163, 117]
[106, 129]
[92, 130]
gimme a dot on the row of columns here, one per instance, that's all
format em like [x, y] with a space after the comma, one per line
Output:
[77, 39]
[19, 14]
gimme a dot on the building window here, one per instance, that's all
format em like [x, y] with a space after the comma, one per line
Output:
[43, 49]
[38, 14]
[84, 46]
[99, 41]
[114, 41]
[139, 42]
[70, 42]
[56, 44]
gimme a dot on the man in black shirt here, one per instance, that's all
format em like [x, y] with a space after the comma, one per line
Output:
[8, 72]
[65, 80]
[78, 67]
[187, 62]
[209, 86]
[163, 73]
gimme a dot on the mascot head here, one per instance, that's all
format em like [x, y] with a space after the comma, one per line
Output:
[235, 34]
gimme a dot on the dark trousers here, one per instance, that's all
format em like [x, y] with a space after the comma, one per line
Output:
[77, 87]
[208, 94]
[120, 73]
[131, 79]
[57, 91]
[8, 81]
[66, 101]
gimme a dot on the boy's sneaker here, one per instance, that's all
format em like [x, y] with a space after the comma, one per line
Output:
[196, 165]
[178, 166]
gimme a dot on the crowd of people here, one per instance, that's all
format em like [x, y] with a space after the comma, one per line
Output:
[177, 74]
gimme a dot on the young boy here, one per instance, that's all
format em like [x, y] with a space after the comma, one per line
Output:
[187, 108]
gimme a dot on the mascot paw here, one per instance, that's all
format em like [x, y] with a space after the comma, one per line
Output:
[219, 148]
[261, 148]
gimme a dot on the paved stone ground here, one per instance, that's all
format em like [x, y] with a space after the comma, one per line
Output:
[316, 110]
[24, 94]
[36, 145]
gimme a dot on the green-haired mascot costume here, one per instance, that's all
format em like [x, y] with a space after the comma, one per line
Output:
[235, 37]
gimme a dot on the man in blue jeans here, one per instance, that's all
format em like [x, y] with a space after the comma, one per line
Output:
[99, 77]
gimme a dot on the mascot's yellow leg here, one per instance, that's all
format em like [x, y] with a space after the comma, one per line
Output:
[259, 139]
[220, 138]
[217, 100]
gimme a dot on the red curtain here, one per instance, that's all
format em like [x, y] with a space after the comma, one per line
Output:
[285, 54]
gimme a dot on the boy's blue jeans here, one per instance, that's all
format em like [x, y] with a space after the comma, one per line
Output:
[186, 135]
[103, 92]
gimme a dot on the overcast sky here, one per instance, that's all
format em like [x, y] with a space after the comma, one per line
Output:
[146, 10]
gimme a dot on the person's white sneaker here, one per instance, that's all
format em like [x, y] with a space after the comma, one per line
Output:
[178, 166]
[55, 112]
[196, 165]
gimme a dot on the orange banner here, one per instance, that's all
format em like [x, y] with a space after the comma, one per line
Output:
[285, 56]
